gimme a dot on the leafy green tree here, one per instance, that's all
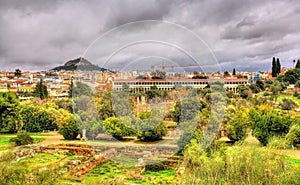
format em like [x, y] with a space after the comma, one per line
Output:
[226, 74]
[293, 136]
[254, 88]
[190, 107]
[292, 76]
[152, 93]
[104, 105]
[158, 74]
[80, 89]
[40, 90]
[18, 73]
[275, 89]
[10, 117]
[151, 129]
[95, 127]
[118, 127]
[244, 91]
[260, 84]
[233, 72]
[267, 124]
[238, 125]
[176, 112]
[69, 130]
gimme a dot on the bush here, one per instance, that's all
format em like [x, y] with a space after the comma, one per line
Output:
[23, 138]
[118, 127]
[278, 143]
[239, 165]
[293, 136]
[152, 134]
[154, 166]
[70, 130]
[287, 104]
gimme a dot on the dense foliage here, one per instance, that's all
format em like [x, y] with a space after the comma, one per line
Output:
[23, 138]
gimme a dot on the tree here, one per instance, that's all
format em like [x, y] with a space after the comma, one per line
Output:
[23, 138]
[243, 91]
[40, 90]
[278, 67]
[238, 125]
[274, 67]
[233, 72]
[226, 74]
[298, 64]
[104, 105]
[268, 123]
[80, 89]
[287, 104]
[10, 117]
[118, 127]
[158, 74]
[297, 84]
[293, 136]
[69, 130]
[292, 76]
[70, 92]
[275, 88]
[151, 129]
[18, 74]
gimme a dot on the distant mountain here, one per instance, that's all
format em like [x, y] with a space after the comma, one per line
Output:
[79, 64]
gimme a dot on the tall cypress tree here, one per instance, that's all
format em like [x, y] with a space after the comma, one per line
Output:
[298, 64]
[274, 67]
[233, 72]
[278, 67]
[40, 90]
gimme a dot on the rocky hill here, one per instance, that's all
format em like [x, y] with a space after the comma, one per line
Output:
[79, 64]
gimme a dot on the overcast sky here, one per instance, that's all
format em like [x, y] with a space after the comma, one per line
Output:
[245, 34]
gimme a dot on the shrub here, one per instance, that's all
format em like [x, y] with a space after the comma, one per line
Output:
[118, 127]
[23, 138]
[268, 124]
[152, 134]
[70, 130]
[239, 165]
[278, 143]
[287, 104]
[154, 166]
[293, 136]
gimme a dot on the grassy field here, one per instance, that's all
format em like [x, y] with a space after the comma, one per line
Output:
[5, 144]
[281, 97]
[109, 170]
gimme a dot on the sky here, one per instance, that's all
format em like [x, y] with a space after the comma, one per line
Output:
[242, 34]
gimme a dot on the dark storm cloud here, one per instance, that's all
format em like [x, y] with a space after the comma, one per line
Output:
[41, 34]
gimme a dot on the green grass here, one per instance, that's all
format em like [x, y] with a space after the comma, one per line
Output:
[170, 124]
[161, 177]
[281, 97]
[5, 138]
[293, 161]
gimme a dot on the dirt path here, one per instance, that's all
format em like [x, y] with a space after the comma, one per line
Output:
[52, 138]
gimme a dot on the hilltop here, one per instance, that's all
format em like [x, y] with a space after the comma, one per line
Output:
[79, 64]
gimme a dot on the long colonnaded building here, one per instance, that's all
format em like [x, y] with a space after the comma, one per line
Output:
[142, 85]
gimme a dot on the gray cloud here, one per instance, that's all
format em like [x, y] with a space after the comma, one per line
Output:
[39, 35]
